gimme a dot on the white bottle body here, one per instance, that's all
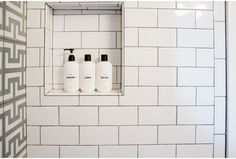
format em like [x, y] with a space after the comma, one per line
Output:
[104, 76]
[87, 76]
[71, 76]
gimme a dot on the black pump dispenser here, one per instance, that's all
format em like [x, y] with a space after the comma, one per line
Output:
[104, 57]
[87, 57]
[71, 56]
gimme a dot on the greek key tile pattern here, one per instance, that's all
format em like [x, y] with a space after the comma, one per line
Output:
[12, 69]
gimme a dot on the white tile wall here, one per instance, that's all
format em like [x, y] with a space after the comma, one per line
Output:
[78, 151]
[33, 134]
[32, 96]
[220, 87]
[204, 134]
[205, 96]
[43, 151]
[34, 76]
[204, 19]
[118, 151]
[58, 23]
[202, 5]
[219, 146]
[157, 151]
[35, 42]
[198, 151]
[205, 57]
[33, 17]
[131, 76]
[110, 22]
[220, 115]
[219, 39]
[156, 4]
[67, 40]
[131, 37]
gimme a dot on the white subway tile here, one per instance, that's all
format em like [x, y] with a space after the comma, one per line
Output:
[203, 5]
[176, 57]
[42, 115]
[78, 116]
[138, 96]
[205, 134]
[118, 115]
[220, 79]
[33, 135]
[81, 22]
[138, 135]
[157, 151]
[32, 96]
[42, 151]
[195, 76]
[114, 56]
[156, 4]
[195, 151]
[35, 42]
[118, 151]
[59, 135]
[205, 57]
[130, 4]
[36, 5]
[98, 135]
[119, 40]
[204, 19]
[110, 22]
[195, 115]
[220, 109]
[34, 76]
[58, 22]
[98, 40]
[176, 134]
[176, 18]
[219, 10]
[131, 37]
[58, 57]
[195, 38]
[131, 76]
[99, 100]
[79, 151]
[205, 96]
[67, 40]
[33, 56]
[157, 76]
[157, 37]
[219, 146]
[178, 96]
[42, 12]
[140, 18]
[33, 18]
[140, 56]
[157, 115]
[219, 39]
[58, 74]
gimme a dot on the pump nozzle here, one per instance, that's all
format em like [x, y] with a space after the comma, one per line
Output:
[71, 56]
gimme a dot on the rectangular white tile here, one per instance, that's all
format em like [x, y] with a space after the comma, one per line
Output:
[35, 42]
[195, 151]
[58, 74]
[220, 109]
[33, 18]
[42, 115]
[178, 96]
[195, 38]
[140, 18]
[36, 5]
[220, 78]
[130, 4]
[59, 135]
[156, 4]
[204, 19]
[219, 146]
[58, 57]
[33, 56]
[176, 134]
[195, 76]
[79, 151]
[176, 18]
[205, 57]
[32, 96]
[118, 151]
[114, 55]
[131, 76]
[157, 115]
[205, 96]
[98, 40]
[176, 57]
[78, 116]
[58, 22]
[131, 37]
[202, 5]
[66, 40]
[160, 76]
[43, 151]
[140, 56]
[102, 135]
[138, 135]
[118, 115]
[33, 135]
[204, 134]
[219, 10]
[219, 39]
[110, 22]
[157, 37]
[196, 115]
[99, 100]
[157, 151]
[138, 96]
[81, 22]
[34, 76]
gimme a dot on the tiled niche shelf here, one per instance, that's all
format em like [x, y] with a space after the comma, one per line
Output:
[88, 27]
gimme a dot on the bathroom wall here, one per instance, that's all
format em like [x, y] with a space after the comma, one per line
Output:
[174, 95]
[12, 79]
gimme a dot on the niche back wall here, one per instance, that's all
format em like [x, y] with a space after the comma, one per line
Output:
[174, 94]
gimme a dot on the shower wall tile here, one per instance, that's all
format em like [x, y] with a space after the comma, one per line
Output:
[34, 18]
[34, 76]
[220, 81]
[202, 5]
[33, 96]
[199, 151]
[131, 76]
[219, 146]
[156, 4]
[110, 22]
[205, 134]
[205, 57]
[157, 151]
[33, 135]
[205, 96]
[35, 42]
[59, 23]
[118, 151]
[43, 151]
[67, 40]
[131, 37]
[219, 11]
[204, 19]
[79, 151]
[220, 113]
[33, 57]
[219, 39]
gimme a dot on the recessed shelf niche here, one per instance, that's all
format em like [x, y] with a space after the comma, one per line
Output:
[88, 27]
